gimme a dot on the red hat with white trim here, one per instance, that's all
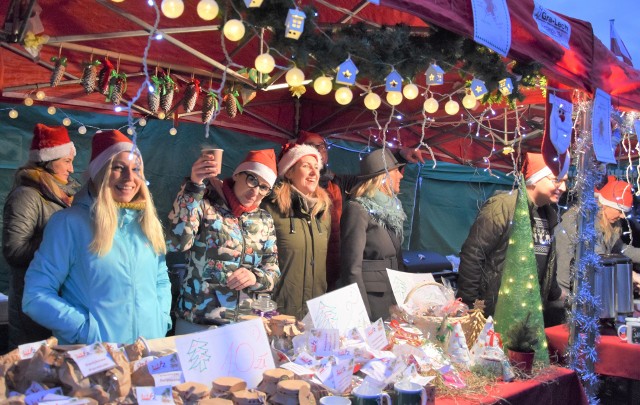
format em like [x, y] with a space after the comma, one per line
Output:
[616, 194]
[535, 168]
[104, 146]
[261, 163]
[291, 153]
[50, 143]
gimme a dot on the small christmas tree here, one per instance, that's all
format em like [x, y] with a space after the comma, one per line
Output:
[522, 336]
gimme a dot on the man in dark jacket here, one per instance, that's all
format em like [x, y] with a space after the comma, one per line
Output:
[483, 254]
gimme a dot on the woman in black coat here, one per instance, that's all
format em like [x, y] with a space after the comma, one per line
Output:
[371, 232]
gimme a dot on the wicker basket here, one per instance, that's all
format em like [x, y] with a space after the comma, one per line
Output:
[436, 328]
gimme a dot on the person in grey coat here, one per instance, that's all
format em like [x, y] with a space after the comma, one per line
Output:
[41, 187]
[371, 232]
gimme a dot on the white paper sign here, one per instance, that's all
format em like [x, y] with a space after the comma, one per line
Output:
[164, 364]
[342, 373]
[402, 283]
[552, 26]
[492, 24]
[92, 359]
[154, 395]
[297, 369]
[340, 309]
[238, 350]
[323, 342]
[171, 378]
[27, 350]
[601, 127]
[375, 336]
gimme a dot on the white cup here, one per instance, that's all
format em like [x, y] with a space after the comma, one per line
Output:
[630, 332]
[335, 400]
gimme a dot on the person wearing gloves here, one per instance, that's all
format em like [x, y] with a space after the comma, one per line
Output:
[615, 200]
[301, 212]
[372, 232]
[100, 273]
[41, 187]
[230, 240]
[483, 254]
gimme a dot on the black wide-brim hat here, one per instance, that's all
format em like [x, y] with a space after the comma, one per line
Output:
[376, 163]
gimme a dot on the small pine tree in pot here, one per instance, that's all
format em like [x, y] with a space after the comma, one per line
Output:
[521, 341]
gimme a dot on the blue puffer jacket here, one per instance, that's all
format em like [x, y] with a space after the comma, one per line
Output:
[114, 298]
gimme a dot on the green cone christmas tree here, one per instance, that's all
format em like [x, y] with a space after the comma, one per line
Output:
[520, 291]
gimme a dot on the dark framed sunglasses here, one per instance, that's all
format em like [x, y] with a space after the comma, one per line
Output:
[253, 182]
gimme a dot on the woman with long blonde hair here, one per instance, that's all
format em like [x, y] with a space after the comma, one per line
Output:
[100, 273]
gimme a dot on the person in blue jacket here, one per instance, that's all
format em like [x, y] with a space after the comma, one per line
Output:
[100, 273]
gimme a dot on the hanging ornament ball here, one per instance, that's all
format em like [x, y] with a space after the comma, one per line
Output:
[208, 9]
[129, 131]
[430, 105]
[142, 122]
[82, 130]
[294, 77]
[344, 95]
[410, 91]
[172, 8]
[40, 95]
[28, 101]
[323, 85]
[394, 97]
[66, 121]
[452, 107]
[233, 30]
[469, 101]
[265, 63]
[372, 101]
[13, 113]
[51, 110]
[161, 115]
[173, 131]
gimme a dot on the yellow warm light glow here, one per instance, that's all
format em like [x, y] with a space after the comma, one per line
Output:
[294, 77]
[51, 110]
[452, 107]
[323, 85]
[40, 95]
[523, 258]
[162, 115]
[430, 105]
[172, 8]
[173, 131]
[82, 130]
[28, 101]
[13, 114]
[469, 101]
[265, 63]
[529, 285]
[394, 97]
[233, 30]
[511, 241]
[344, 95]
[410, 91]
[66, 121]
[524, 304]
[372, 101]
[208, 9]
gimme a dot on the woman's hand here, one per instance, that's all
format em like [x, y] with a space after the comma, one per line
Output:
[241, 279]
[203, 168]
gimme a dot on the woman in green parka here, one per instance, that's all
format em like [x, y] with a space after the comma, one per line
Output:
[300, 211]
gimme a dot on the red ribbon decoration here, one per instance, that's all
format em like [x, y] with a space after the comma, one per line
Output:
[493, 334]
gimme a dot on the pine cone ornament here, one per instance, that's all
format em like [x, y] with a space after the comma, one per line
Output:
[191, 95]
[117, 87]
[104, 76]
[209, 106]
[153, 97]
[58, 70]
[166, 96]
[90, 76]
[231, 104]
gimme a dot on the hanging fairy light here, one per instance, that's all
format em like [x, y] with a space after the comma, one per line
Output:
[208, 9]
[430, 105]
[172, 8]
[129, 131]
[233, 30]
[294, 77]
[66, 121]
[142, 122]
[469, 101]
[372, 101]
[323, 85]
[51, 110]
[265, 63]
[344, 95]
[410, 91]
[28, 101]
[117, 1]
[40, 95]
[82, 130]
[161, 115]
[394, 97]
[452, 107]
[173, 131]
[13, 113]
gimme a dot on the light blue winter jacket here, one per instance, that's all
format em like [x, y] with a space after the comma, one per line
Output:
[84, 298]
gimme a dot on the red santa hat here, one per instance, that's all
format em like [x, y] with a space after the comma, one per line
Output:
[305, 137]
[616, 194]
[261, 163]
[50, 143]
[291, 153]
[104, 146]
[535, 168]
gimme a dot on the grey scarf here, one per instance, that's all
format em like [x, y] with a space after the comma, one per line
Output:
[385, 210]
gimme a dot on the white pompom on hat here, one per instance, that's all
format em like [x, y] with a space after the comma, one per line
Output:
[291, 153]
[50, 143]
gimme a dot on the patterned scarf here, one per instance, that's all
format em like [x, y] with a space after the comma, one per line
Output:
[385, 210]
[237, 209]
[49, 185]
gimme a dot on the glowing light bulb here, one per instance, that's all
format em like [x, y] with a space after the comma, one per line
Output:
[524, 304]
[173, 131]
[51, 110]
[142, 122]
[372, 101]
[452, 107]
[529, 285]
[410, 91]
[233, 30]
[208, 9]
[344, 95]
[13, 114]
[172, 8]
[323, 85]
[40, 95]
[265, 63]
[469, 101]
[430, 105]
[161, 115]
[82, 130]
[129, 131]
[28, 101]
[294, 77]
[66, 121]
[522, 258]
[394, 97]
[117, 1]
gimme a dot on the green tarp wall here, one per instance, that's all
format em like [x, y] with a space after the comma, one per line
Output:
[441, 203]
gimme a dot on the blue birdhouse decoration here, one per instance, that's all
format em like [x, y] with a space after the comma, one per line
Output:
[393, 81]
[478, 88]
[505, 86]
[347, 72]
[295, 23]
[435, 75]
[253, 3]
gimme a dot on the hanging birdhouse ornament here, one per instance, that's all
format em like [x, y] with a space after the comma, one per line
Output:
[435, 75]
[393, 81]
[295, 23]
[253, 3]
[347, 72]
[478, 88]
[505, 86]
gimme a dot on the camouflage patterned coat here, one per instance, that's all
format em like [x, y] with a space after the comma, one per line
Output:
[218, 243]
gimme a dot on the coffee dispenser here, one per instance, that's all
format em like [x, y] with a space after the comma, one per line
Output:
[614, 286]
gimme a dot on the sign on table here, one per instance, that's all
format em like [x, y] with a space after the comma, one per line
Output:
[341, 309]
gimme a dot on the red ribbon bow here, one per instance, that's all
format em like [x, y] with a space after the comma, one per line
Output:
[493, 334]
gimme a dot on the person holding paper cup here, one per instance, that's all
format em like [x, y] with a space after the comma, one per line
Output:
[371, 231]
[230, 240]
[100, 273]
